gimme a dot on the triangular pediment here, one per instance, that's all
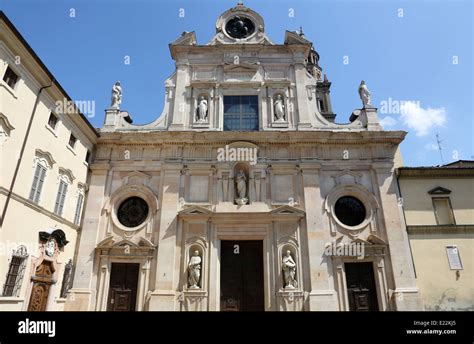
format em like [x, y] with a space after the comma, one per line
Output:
[139, 174]
[295, 38]
[195, 210]
[375, 240]
[439, 190]
[125, 243]
[347, 177]
[144, 242]
[287, 210]
[187, 38]
[106, 243]
[110, 243]
[137, 178]
[241, 68]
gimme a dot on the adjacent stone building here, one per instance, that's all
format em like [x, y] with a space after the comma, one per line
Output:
[245, 194]
[44, 151]
[438, 205]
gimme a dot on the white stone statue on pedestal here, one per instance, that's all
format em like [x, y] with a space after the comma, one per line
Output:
[116, 95]
[364, 94]
[194, 271]
[289, 271]
[279, 108]
[202, 110]
[241, 185]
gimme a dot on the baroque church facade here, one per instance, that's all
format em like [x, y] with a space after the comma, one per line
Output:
[245, 194]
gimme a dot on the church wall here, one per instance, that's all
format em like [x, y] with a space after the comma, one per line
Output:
[182, 176]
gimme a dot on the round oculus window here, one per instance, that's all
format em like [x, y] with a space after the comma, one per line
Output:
[239, 27]
[350, 211]
[132, 212]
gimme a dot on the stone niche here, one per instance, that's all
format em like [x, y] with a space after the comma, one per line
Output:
[194, 299]
[289, 298]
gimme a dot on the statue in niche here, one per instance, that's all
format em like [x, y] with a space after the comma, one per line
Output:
[116, 95]
[202, 110]
[194, 271]
[241, 186]
[279, 109]
[364, 94]
[289, 271]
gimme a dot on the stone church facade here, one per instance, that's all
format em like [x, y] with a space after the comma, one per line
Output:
[245, 194]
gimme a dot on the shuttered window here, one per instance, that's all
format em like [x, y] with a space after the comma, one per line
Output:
[60, 198]
[77, 216]
[38, 180]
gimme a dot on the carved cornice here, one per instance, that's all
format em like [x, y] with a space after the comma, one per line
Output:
[326, 137]
[435, 172]
[440, 229]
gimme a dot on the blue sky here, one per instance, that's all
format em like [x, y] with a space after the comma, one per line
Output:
[419, 51]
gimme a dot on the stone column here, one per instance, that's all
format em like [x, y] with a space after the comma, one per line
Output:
[82, 295]
[322, 296]
[163, 298]
[406, 296]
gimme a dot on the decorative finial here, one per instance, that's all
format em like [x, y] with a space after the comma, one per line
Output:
[325, 77]
[240, 3]
[301, 33]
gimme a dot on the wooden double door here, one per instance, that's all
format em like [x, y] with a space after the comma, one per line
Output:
[123, 287]
[361, 289]
[241, 280]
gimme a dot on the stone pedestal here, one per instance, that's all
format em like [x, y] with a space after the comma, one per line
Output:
[280, 124]
[290, 300]
[372, 118]
[201, 125]
[112, 118]
[193, 300]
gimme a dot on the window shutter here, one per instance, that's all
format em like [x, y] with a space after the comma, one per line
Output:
[58, 198]
[35, 183]
[77, 216]
[63, 197]
[40, 183]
